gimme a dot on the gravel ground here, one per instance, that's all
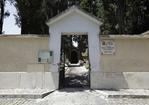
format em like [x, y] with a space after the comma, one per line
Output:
[76, 77]
[74, 97]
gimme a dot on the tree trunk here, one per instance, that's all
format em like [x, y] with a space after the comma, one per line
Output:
[121, 16]
[1, 15]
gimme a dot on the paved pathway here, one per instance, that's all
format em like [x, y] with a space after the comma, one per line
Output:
[77, 77]
[74, 97]
[80, 70]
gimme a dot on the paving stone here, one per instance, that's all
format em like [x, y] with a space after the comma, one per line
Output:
[74, 97]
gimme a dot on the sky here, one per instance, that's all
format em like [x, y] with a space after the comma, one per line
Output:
[9, 26]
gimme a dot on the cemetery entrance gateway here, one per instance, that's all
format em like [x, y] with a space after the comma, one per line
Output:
[74, 20]
[74, 68]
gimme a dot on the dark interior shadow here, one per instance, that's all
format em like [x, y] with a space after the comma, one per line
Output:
[80, 81]
[74, 89]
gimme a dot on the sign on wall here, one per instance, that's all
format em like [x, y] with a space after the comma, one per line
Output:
[45, 56]
[107, 47]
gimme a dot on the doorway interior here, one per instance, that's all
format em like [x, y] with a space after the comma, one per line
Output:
[74, 67]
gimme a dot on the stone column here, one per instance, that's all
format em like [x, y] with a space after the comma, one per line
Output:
[94, 57]
[94, 51]
[55, 46]
[52, 78]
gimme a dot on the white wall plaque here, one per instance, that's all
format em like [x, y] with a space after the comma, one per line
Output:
[107, 47]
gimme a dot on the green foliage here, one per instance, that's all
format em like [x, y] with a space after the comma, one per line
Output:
[118, 16]
[125, 16]
[30, 17]
[67, 45]
[137, 16]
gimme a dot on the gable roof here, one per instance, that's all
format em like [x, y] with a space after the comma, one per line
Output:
[71, 10]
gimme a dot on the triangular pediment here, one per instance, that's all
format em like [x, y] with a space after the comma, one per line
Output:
[73, 10]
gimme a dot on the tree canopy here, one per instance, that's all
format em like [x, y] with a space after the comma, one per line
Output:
[118, 16]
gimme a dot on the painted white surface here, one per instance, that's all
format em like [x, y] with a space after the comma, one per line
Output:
[75, 22]
[121, 80]
[71, 10]
[29, 80]
[48, 80]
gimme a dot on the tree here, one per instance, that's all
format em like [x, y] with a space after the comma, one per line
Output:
[2, 3]
[125, 16]
[89, 5]
[32, 14]
[120, 12]
[28, 16]
[118, 16]
[137, 16]
[3, 14]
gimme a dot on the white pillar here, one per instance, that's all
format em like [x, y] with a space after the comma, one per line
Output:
[94, 51]
[55, 46]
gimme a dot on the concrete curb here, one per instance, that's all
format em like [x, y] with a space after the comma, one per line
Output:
[26, 95]
[127, 96]
[121, 94]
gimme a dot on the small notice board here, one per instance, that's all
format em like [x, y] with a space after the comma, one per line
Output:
[108, 47]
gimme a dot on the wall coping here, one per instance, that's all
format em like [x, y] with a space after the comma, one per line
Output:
[23, 36]
[125, 36]
[139, 36]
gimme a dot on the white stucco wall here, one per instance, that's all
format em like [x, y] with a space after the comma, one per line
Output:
[19, 66]
[75, 22]
[20, 53]
[128, 67]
